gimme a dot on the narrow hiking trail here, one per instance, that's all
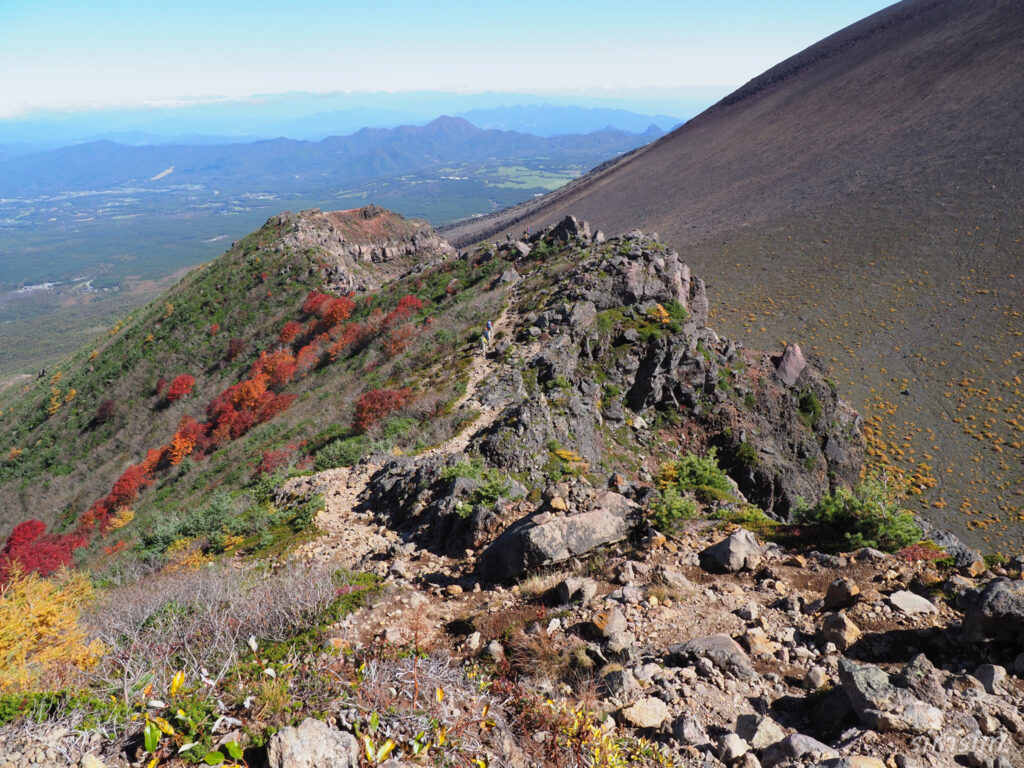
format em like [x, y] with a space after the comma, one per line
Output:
[353, 535]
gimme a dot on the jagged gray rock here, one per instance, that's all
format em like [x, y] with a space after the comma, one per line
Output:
[574, 589]
[794, 747]
[995, 613]
[759, 731]
[313, 744]
[721, 650]
[733, 553]
[882, 706]
[543, 539]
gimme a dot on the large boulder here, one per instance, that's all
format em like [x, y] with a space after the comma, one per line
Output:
[882, 706]
[312, 745]
[733, 553]
[543, 539]
[996, 613]
[790, 365]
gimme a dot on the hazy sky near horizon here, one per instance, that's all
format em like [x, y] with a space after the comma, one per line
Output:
[70, 54]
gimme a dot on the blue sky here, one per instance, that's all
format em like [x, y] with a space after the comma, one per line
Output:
[76, 54]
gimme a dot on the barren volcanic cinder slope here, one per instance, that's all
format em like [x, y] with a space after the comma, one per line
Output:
[864, 198]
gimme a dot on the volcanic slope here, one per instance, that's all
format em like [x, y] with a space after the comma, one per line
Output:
[864, 198]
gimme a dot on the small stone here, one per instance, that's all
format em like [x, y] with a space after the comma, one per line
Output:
[790, 365]
[574, 589]
[749, 612]
[609, 623]
[731, 747]
[842, 593]
[758, 643]
[840, 630]
[815, 678]
[854, 761]
[473, 641]
[688, 730]
[559, 504]
[974, 569]
[89, 761]
[759, 731]
[988, 725]
[648, 712]
[496, 651]
[734, 553]
[911, 603]
[992, 677]
[454, 589]
[313, 744]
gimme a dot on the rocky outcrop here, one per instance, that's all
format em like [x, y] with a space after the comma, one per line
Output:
[623, 340]
[361, 249]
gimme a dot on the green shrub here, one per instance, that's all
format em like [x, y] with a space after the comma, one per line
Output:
[810, 407]
[751, 518]
[343, 452]
[868, 516]
[493, 484]
[676, 310]
[693, 472]
[746, 455]
[670, 509]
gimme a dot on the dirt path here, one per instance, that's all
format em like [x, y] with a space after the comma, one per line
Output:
[352, 536]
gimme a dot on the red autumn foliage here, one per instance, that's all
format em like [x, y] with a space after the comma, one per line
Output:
[25, 532]
[307, 359]
[336, 311]
[398, 340]
[35, 550]
[278, 366]
[314, 299]
[373, 406]
[113, 549]
[214, 329]
[917, 552]
[289, 331]
[408, 305]
[354, 337]
[235, 347]
[126, 488]
[184, 441]
[277, 404]
[181, 386]
[271, 462]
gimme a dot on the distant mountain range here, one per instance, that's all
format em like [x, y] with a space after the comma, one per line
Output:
[287, 165]
[548, 120]
[312, 117]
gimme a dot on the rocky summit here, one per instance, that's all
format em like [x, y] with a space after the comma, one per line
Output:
[517, 505]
